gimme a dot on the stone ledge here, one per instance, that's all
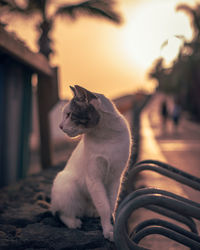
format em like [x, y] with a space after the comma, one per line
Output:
[27, 223]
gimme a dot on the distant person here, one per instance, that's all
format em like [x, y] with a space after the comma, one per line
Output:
[176, 114]
[164, 114]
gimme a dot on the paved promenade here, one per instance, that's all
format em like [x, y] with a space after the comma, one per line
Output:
[179, 148]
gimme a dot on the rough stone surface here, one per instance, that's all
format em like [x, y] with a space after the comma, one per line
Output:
[27, 223]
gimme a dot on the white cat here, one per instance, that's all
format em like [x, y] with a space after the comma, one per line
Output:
[89, 184]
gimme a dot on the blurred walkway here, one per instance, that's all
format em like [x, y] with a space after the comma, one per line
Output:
[180, 149]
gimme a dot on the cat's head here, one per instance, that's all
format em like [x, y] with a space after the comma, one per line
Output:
[81, 113]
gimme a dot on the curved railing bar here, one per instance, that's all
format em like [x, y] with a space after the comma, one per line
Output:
[171, 234]
[163, 223]
[193, 180]
[189, 222]
[166, 172]
[183, 219]
[144, 191]
[120, 231]
[170, 167]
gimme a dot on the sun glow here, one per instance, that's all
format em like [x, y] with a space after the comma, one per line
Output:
[148, 26]
[110, 59]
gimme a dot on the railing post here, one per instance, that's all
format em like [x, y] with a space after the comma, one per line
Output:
[44, 126]
[47, 98]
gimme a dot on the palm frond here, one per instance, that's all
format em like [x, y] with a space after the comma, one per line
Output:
[32, 6]
[181, 37]
[184, 7]
[164, 44]
[194, 13]
[37, 5]
[97, 8]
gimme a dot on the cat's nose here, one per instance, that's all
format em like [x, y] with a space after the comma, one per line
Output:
[61, 126]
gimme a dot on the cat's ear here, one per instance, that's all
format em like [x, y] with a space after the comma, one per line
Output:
[84, 95]
[73, 90]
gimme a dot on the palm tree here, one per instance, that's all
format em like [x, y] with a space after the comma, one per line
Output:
[194, 13]
[158, 72]
[97, 8]
[191, 72]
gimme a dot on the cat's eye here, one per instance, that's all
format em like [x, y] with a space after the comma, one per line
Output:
[68, 114]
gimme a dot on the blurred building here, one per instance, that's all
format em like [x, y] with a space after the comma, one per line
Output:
[17, 66]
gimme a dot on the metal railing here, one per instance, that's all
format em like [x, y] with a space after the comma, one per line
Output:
[162, 202]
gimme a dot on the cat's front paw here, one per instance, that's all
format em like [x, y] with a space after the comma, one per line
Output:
[76, 223]
[72, 223]
[108, 233]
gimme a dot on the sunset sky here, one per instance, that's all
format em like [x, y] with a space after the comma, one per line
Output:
[111, 59]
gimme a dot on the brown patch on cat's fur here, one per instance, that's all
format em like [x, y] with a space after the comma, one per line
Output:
[83, 113]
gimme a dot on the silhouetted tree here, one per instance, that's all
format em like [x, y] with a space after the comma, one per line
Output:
[194, 13]
[160, 74]
[158, 69]
[192, 59]
[96, 8]
[183, 78]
